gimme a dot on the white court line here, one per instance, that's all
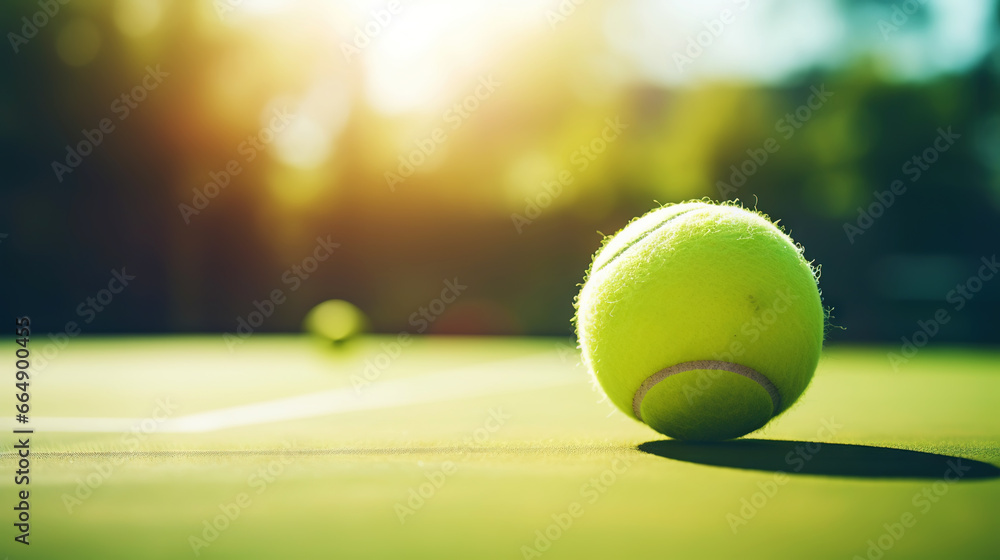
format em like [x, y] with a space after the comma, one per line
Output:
[508, 376]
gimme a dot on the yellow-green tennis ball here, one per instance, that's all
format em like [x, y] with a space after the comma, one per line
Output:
[703, 321]
[335, 320]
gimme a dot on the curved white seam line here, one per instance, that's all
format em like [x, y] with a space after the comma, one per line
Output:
[738, 369]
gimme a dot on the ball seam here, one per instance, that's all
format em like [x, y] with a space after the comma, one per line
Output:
[738, 369]
[640, 239]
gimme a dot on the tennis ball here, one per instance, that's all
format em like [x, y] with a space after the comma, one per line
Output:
[703, 321]
[335, 320]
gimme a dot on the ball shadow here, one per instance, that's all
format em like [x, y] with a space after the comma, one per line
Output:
[823, 459]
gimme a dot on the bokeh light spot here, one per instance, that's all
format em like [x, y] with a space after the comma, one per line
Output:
[136, 18]
[304, 144]
[78, 43]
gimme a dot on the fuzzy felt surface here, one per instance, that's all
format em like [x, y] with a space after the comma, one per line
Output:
[699, 281]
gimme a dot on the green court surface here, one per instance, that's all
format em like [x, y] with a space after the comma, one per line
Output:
[487, 448]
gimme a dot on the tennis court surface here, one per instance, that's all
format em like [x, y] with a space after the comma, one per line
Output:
[173, 447]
